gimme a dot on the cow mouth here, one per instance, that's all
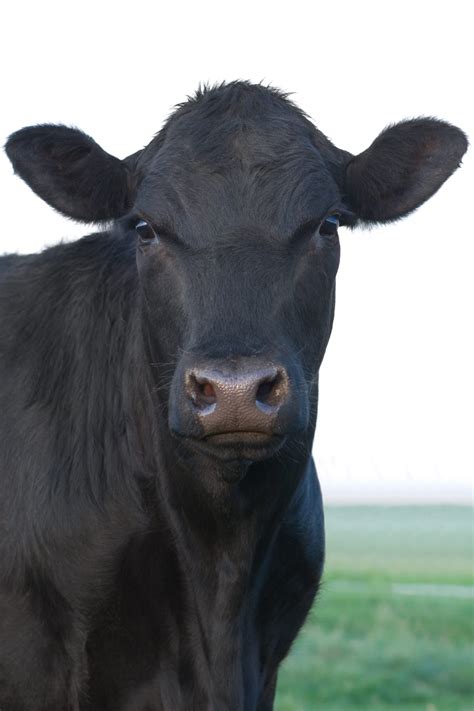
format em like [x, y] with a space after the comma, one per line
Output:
[228, 446]
[230, 438]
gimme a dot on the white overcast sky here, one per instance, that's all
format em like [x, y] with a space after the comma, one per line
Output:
[397, 388]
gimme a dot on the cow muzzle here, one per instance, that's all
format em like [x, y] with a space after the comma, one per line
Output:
[233, 409]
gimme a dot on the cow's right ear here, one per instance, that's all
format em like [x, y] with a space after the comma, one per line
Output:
[71, 172]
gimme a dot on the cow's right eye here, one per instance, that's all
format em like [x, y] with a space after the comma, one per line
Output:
[145, 232]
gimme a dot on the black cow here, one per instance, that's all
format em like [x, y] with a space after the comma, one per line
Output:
[161, 527]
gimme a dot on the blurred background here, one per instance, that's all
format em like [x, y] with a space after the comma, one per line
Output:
[394, 442]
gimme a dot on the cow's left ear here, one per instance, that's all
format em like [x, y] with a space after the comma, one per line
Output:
[71, 172]
[404, 166]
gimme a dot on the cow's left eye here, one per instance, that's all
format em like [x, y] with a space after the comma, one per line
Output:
[329, 226]
[145, 231]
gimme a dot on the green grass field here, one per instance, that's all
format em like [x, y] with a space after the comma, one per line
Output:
[393, 625]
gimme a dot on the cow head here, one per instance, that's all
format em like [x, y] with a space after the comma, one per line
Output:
[234, 208]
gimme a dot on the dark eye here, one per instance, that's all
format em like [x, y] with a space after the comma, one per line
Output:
[329, 226]
[145, 232]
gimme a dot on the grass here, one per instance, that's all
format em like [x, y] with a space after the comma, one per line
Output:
[366, 645]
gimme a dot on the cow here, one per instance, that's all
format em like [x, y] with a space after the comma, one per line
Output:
[161, 521]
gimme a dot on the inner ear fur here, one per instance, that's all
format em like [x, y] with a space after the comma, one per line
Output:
[405, 165]
[71, 172]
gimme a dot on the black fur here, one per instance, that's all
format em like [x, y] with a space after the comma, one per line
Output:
[71, 172]
[137, 572]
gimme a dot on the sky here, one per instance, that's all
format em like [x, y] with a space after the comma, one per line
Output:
[397, 387]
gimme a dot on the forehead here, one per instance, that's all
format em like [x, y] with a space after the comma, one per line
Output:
[241, 157]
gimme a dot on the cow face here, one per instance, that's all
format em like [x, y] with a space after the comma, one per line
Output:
[234, 208]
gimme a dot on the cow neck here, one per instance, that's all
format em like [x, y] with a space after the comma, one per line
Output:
[215, 521]
[224, 544]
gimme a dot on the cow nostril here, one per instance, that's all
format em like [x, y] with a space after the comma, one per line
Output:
[264, 390]
[202, 392]
[207, 390]
[269, 392]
